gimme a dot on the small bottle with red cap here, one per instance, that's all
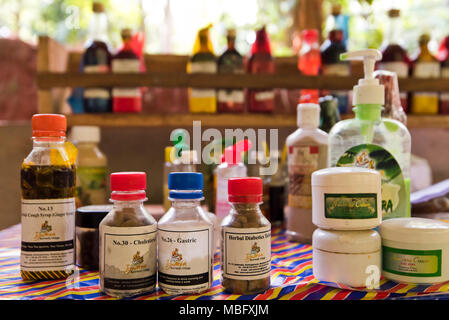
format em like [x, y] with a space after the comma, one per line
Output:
[48, 203]
[185, 238]
[246, 239]
[128, 242]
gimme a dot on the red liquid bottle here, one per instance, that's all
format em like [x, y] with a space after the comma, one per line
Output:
[127, 100]
[309, 62]
[443, 56]
[230, 62]
[394, 56]
[260, 61]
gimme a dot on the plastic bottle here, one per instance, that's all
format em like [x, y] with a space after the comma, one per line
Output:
[246, 244]
[127, 100]
[231, 62]
[231, 166]
[91, 166]
[97, 59]
[443, 56]
[425, 65]
[128, 239]
[260, 61]
[394, 56]
[307, 152]
[332, 65]
[185, 238]
[48, 203]
[309, 62]
[371, 141]
[202, 61]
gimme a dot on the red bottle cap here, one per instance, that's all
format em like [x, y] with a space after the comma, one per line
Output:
[49, 125]
[310, 35]
[128, 186]
[246, 190]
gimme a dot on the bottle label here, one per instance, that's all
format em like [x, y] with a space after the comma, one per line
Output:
[125, 65]
[246, 253]
[91, 185]
[96, 93]
[203, 67]
[302, 161]
[395, 194]
[401, 68]
[184, 258]
[412, 263]
[336, 69]
[48, 229]
[350, 205]
[231, 96]
[426, 70]
[264, 95]
[128, 257]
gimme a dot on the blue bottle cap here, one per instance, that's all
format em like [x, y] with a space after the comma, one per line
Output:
[185, 185]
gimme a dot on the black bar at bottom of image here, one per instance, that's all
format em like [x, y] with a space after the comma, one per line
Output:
[129, 284]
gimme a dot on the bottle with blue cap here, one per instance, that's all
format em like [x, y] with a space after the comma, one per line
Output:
[373, 142]
[185, 238]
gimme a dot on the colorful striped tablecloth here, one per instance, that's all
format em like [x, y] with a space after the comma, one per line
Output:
[291, 279]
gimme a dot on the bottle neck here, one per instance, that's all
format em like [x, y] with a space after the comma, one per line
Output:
[370, 112]
[394, 31]
[98, 27]
[231, 43]
[185, 204]
[48, 142]
[118, 204]
[87, 145]
[245, 207]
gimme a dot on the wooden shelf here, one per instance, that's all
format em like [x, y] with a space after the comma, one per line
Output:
[48, 80]
[244, 120]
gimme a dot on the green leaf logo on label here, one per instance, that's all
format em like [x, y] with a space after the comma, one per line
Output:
[395, 190]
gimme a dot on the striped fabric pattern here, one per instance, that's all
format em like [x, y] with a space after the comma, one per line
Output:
[291, 279]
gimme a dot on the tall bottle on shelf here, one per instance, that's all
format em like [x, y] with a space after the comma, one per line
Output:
[309, 62]
[443, 56]
[307, 152]
[425, 65]
[202, 61]
[260, 61]
[127, 60]
[394, 56]
[97, 59]
[373, 142]
[91, 166]
[48, 203]
[332, 65]
[230, 62]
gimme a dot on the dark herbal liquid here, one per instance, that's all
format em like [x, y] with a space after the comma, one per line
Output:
[46, 182]
[276, 204]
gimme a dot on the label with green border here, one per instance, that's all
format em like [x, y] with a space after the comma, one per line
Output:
[350, 205]
[412, 263]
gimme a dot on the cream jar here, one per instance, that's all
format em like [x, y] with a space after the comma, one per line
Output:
[415, 250]
[346, 198]
[351, 258]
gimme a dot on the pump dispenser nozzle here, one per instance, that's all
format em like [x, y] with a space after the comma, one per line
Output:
[368, 90]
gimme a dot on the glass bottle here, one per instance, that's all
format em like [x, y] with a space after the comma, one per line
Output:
[185, 238]
[332, 65]
[48, 203]
[128, 242]
[307, 152]
[443, 56]
[97, 59]
[230, 62]
[126, 61]
[246, 240]
[202, 61]
[425, 65]
[260, 61]
[309, 62]
[171, 165]
[91, 166]
[394, 56]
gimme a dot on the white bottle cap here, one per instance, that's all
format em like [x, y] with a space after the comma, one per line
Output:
[308, 115]
[86, 134]
[368, 90]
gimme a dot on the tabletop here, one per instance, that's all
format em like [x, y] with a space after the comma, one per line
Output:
[291, 279]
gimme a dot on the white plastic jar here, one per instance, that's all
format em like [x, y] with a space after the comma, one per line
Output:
[351, 258]
[346, 198]
[415, 250]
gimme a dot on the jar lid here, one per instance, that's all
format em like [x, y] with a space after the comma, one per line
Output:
[49, 125]
[415, 230]
[128, 186]
[185, 185]
[363, 241]
[91, 216]
[346, 176]
[245, 190]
